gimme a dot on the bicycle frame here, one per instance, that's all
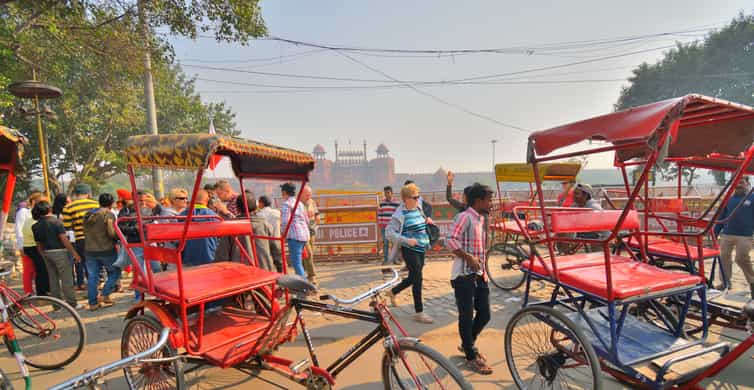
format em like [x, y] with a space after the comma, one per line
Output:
[6, 329]
[380, 316]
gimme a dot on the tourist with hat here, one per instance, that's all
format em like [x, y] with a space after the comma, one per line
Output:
[73, 219]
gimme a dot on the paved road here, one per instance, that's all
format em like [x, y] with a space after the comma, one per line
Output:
[334, 335]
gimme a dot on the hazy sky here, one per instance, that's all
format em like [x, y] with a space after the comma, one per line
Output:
[422, 133]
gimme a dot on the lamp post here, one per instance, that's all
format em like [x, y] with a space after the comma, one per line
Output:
[33, 89]
[493, 142]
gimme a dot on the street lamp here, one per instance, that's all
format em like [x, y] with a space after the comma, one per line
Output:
[493, 142]
[33, 89]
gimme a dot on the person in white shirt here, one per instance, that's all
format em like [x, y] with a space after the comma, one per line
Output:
[272, 216]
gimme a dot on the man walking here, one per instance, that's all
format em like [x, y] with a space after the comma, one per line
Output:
[272, 216]
[298, 232]
[313, 214]
[384, 213]
[468, 242]
[73, 219]
[99, 227]
[736, 234]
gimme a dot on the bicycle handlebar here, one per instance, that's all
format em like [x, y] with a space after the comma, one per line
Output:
[91, 377]
[368, 294]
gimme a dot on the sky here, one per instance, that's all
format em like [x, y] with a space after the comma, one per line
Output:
[448, 126]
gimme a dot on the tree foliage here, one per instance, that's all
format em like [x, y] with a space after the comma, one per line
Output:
[92, 50]
[721, 66]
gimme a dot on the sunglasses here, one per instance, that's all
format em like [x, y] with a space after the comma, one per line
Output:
[417, 197]
[181, 198]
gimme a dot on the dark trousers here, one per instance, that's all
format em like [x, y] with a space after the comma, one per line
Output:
[472, 293]
[41, 278]
[79, 269]
[415, 263]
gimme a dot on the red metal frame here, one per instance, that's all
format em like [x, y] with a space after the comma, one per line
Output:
[144, 281]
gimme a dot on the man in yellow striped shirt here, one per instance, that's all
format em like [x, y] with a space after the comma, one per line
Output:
[73, 219]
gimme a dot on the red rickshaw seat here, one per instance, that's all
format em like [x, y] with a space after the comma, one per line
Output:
[210, 281]
[676, 250]
[629, 279]
[578, 260]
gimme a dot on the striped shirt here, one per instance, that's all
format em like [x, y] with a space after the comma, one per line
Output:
[299, 229]
[385, 212]
[468, 235]
[74, 213]
[415, 227]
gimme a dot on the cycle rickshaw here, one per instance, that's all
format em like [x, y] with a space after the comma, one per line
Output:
[510, 234]
[586, 324]
[233, 313]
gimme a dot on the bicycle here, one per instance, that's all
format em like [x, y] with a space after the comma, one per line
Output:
[406, 364]
[33, 327]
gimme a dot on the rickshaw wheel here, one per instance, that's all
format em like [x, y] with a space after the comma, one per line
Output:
[140, 334]
[545, 349]
[503, 266]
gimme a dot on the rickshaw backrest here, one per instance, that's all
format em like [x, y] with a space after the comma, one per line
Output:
[592, 221]
[665, 205]
[174, 231]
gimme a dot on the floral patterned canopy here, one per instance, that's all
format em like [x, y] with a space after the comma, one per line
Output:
[194, 151]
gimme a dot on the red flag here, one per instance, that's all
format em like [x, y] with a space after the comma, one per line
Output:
[215, 159]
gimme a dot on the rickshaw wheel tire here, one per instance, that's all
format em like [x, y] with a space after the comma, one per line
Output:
[23, 325]
[149, 322]
[577, 336]
[507, 250]
[426, 353]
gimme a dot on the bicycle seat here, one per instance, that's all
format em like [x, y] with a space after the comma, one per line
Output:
[296, 284]
[749, 310]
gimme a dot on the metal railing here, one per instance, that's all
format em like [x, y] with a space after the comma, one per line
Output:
[92, 377]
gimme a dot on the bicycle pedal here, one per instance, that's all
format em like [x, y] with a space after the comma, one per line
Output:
[300, 366]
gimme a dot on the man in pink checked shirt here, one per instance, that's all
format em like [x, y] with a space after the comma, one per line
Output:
[468, 241]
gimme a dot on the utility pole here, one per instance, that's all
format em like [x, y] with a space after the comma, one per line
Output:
[157, 184]
[493, 142]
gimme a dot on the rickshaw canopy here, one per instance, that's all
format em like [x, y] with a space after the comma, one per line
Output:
[699, 125]
[11, 149]
[524, 173]
[193, 151]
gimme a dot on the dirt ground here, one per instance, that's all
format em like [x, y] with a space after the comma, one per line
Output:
[333, 336]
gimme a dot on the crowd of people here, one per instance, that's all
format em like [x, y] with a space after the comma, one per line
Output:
[72, 244]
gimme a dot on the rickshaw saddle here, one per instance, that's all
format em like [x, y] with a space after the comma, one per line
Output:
[676, 250]
[629, 279]
[579, 260]
[209, 281]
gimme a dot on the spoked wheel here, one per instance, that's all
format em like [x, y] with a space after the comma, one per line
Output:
[503, 266]
[140, 334]
[418, 366]
[48, 330]
[545, 349]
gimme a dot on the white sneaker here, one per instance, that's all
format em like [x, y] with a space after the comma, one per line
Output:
[423, 318]
[79, 306]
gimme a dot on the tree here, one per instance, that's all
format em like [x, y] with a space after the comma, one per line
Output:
[719, 66]
[93, 55]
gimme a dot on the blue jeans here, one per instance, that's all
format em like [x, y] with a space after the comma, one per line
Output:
[385, 246]
[296, 250]
[155, 265]
[79, 269]
[94, 265]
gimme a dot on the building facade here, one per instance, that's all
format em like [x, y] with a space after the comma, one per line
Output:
[352, 167]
